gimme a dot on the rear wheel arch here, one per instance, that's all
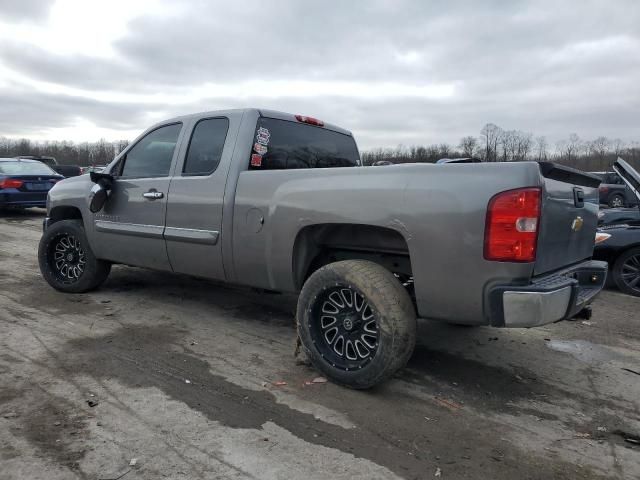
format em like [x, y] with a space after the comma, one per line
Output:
[321, 244]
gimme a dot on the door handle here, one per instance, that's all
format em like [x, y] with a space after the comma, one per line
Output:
[153, 195]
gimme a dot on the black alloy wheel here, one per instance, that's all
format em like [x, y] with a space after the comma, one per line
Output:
[345, 331]
[356, 322]
[67, 258]
[626, 272]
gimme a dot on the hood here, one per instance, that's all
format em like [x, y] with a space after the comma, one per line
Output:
[629, 175]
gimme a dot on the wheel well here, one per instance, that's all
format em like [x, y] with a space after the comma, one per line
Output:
[318, 245]
[64, 213]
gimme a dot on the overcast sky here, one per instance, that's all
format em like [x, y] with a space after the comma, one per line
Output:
[394, 72]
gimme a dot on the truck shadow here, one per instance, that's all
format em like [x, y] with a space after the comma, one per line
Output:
[437, 365]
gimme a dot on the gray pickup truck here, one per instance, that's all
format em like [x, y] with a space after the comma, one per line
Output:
[281, 202]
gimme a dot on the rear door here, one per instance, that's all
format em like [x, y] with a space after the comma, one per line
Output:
[129, 229]
[194, 212]
[569, 217]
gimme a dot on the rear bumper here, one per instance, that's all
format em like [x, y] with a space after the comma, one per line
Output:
[548, 298]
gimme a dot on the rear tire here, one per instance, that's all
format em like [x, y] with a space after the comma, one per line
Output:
[66, 260]
[356, 322]
[626, 272]
[616, 201]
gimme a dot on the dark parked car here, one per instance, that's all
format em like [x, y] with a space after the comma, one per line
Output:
[614, 191]
[622, 248]
[616, 216]
[64, 170]
[25, 183]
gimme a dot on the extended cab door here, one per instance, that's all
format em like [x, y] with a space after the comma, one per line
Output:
[130, 227]
[196, 197]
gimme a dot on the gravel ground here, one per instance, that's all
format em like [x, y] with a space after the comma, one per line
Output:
[165, 376]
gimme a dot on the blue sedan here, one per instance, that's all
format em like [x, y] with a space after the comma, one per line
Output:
[25, 183]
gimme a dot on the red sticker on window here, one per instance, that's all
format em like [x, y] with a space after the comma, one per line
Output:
[259, 148]
[256, 160]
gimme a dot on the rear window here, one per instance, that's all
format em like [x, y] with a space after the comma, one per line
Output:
[280, 144]
[25, 168]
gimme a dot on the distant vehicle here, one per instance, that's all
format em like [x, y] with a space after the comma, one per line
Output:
[616, 216]
[614, 191]
[279, 201]
[622, 248]
[64, 170]
[459, 160]
[25, 183]
[92, 168]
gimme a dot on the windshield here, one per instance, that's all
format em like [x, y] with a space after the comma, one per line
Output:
[25, 168]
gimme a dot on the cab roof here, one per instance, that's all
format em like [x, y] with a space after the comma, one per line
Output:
[262, 112]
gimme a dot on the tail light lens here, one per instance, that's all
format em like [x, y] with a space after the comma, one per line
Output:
[10, 183]
[604, 189]
[511, 232]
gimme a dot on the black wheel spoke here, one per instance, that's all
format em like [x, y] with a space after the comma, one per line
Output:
[634, 282]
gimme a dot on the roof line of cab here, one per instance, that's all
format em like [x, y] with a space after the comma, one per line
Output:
[262, 112]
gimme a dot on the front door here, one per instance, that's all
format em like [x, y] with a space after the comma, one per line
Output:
[129, 229]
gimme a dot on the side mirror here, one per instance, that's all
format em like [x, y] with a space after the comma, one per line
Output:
[99, 193]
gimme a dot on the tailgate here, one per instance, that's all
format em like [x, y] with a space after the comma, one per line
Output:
[569, 217]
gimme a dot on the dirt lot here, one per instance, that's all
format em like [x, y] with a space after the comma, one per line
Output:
[182, 375]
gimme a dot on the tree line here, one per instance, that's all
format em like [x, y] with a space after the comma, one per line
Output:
[65, 152]
[495, 144]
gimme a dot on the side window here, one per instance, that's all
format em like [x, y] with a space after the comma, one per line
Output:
[152, 155]
[205, 147]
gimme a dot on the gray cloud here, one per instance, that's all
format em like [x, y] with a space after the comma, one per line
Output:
[547, 67]
[27, 113]
[24, 9]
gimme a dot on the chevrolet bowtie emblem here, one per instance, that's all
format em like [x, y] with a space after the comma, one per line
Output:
[577, 223]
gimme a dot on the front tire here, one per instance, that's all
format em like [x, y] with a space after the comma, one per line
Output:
[626, 272]
[356, 322]
[66, 260]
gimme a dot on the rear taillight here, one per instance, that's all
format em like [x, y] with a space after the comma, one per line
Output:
[310, 120]
[10, 183]
[511, 232]
[604, 189]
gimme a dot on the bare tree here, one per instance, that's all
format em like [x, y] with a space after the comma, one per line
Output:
[468, 145]
[541, 148]
[524, 142]
[569, 149]
[617, 146]
[491, 135]
[600, 147]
